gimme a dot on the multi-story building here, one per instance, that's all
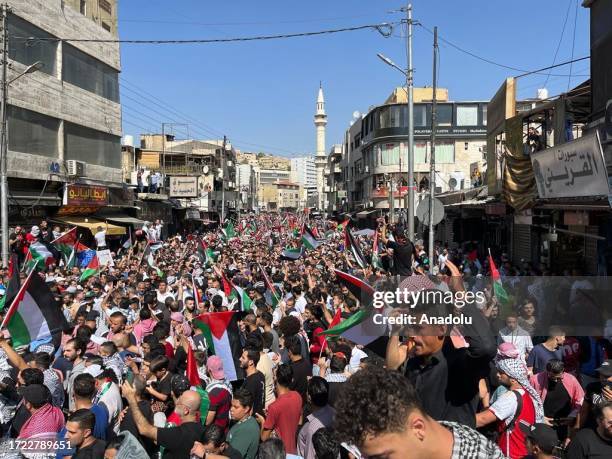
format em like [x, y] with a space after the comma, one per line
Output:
[64, 120]
[304, 172]
[375, 151]
[288, 196]
[196, 174]
[246, 176]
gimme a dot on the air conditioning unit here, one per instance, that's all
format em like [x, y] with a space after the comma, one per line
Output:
[75, 168]
[229, 164]
[366, 169]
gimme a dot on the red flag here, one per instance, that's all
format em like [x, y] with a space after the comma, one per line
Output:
[196, 293]
[494, 272]
[335, 321]
[192, 369]
[227, 286]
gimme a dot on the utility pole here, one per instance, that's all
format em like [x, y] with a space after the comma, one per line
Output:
[432, 158]
[223, 181]
[410, 85]
[4, 141]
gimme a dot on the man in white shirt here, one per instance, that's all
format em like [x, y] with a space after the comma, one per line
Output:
[100, 238]
[514, 334]
[163, 292]
[300, 301]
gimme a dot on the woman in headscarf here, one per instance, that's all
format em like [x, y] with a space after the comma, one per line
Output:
[521, 403]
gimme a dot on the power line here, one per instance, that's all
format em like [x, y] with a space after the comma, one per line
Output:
[569, 5]
[554, 66]
[385, 29]
[484, 59]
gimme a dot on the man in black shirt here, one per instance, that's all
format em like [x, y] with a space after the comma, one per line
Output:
[144, 404]
[594, 443]
[302, 369]
[79, 431]
[176, 441]
[597, 393]
[445, 369]
[403, 251]
[255, 380]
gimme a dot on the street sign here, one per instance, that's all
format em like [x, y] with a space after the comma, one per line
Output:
[422, 211]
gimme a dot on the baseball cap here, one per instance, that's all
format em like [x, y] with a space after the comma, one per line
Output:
[540, 434]
[605, 369]
[37, 394]
[215, 366]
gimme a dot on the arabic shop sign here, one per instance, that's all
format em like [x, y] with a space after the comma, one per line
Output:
[84, 195]
[572, 169]
[183, 187]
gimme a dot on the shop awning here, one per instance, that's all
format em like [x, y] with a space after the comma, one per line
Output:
[123, 219]
[92, 225]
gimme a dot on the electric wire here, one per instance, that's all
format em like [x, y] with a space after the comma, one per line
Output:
[569, 6]
[569, 78]
[384, 28]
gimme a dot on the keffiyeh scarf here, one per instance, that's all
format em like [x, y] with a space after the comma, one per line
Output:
[516, 369]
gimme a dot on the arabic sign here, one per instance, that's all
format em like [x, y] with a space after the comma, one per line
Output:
[84, 195]
[383, 192]
[572, 169]
[183, 187]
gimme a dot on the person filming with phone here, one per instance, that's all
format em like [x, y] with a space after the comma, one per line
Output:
[402, 248]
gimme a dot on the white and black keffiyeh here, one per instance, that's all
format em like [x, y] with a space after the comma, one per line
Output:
[469, 444]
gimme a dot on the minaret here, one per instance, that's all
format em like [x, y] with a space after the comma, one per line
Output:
[320, 121]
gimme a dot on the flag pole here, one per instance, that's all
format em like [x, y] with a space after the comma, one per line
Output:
[74, 249]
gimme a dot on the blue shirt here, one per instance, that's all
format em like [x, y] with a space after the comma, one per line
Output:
[539, 357]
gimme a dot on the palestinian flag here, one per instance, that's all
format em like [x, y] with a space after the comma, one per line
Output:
[376, 263]
[498, 287]
[351, 245]
[92, 269]
[361, 290]
[227, 285]
[228, 231]
[39, 256]
[308, 239]
[84, 255]
[335, 321]
[222, 337]
[66, 242]
[239, 294]
[34, 314]
[292, 253]
[270, 286]
[358, 328]
[315, 232]
[342, 226]
[77, 250]
[12, 288]
[148, 255]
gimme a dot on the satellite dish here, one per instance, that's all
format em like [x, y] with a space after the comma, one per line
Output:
[356, 115]
[452, 183]
[205, 170]
[422, 211]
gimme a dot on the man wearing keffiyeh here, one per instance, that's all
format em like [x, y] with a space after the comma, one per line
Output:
[520, 403]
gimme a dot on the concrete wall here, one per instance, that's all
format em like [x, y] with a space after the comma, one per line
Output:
[49, 95]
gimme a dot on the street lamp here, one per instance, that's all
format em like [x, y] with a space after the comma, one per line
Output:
[4, 146]
[409, 84]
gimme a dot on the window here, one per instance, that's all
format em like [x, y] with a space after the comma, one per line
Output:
[444, 114]
[106, 27]
[390, 154]
[91, 146]
[83, 7]
[445, 152]
[465, 146]
[90, 74]
[31, 132]
[28, 52]
[394, 116]
[106, 6]
[420, 152]
[420, 115]
[467, 115]
[484, 115]
[384, 117]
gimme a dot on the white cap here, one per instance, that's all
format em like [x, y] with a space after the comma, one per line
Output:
[94, 370]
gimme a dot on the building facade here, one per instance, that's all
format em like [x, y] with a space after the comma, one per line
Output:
[375, 153]
[304, 173]
[64, 120]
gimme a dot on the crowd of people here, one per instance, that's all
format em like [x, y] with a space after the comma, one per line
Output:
[139, 371]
